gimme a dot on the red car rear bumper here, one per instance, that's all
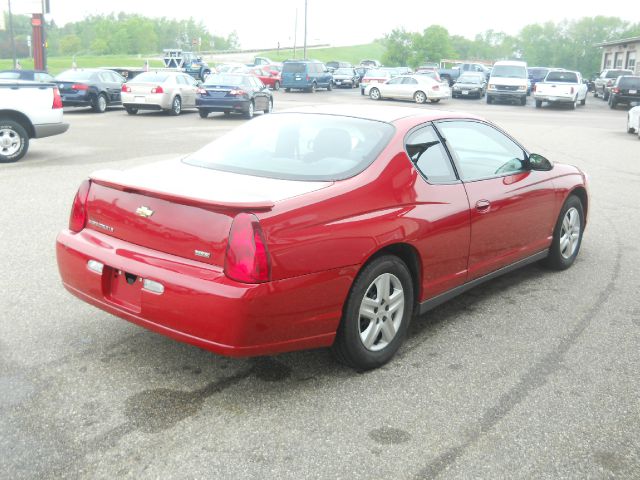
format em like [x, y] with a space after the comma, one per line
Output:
[200, 305]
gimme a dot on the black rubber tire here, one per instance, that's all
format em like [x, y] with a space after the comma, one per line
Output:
[555, 260]
[329, 87]
[250, 111]
[612, 103]
[98, 105]
[374, 89]
[226, 113]
[489, 99]
[420, 98]
[605, 96]
[18, 131]
[276, 85]
[584, 100]
[176, 107]
[287, 90]
[348, 347]
[523, 101]
[203, 113]
[131, 110]
[538, 103]
[269, 108]
[434, 100]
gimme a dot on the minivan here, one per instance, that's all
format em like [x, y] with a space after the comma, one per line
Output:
[307, 75]
[508, 81]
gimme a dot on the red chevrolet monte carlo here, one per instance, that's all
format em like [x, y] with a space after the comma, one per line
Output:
[317, 228]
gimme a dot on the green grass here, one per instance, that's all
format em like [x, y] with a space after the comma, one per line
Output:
[58, 64]
[351, 54]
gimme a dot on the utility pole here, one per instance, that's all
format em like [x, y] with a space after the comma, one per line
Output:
[13, 40]
[295, 34]
[305, 29]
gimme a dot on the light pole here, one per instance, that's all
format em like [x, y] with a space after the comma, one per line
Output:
[295, 34]
[13, 40]
[305, 29]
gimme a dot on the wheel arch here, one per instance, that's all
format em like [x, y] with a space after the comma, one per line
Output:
[581, 193]
[20, 118]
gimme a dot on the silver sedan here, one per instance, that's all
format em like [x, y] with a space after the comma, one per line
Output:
[418, 88]
[159, 90]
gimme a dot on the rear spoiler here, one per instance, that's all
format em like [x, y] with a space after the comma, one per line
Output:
[206, 203]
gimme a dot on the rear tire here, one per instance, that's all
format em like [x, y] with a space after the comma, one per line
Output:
[376, 314]
[131, 110]
[489, 99]
[612, 103]
[276, 85]
[329, 87]
[176, 106]
[567, 235]
[523, 101]
[14, 141]
[374, 94]
[100, 103]
[269, 108]
[538, 103]
[203, 113]
[420, 97]
[250, 111]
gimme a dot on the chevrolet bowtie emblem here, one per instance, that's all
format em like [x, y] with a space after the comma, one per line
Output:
[143, 211]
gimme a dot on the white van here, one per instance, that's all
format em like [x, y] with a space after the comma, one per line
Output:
[508, 81]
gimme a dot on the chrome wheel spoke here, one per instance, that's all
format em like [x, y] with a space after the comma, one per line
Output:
[396, 302]
[370, 335]
[388, 330]
[383, 284]
[570, 233]
[381, 311]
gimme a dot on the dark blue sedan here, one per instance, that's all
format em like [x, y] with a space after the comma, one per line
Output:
[233, 93]
[90, 87]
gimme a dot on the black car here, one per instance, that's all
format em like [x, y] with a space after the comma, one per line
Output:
[31, 75]
[469, 85]
[334, 65]
[90, 87]
[233, 93]
[625, 90]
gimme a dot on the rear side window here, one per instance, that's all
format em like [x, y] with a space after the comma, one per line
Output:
[293, 68]
[429, 156]
[297, 146]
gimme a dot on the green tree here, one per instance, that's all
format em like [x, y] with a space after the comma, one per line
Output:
[432, 45]
[398, 48]
[70, 45]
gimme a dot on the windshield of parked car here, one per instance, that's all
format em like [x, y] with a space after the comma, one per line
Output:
[469, 79]
[225, 79]
[562, 77]
[155, 77]
[538, 72]
[509, 71]
[377, 73]
[629, 82]
[297, 146]
[75, 76]
[294, 67]
[343, 71]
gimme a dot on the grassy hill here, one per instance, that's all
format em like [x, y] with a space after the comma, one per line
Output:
[351, 54]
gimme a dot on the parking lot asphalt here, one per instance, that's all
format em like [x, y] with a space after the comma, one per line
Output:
[532, 375]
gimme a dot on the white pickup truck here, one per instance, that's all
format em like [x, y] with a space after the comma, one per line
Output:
[27, 110]
[561, 86]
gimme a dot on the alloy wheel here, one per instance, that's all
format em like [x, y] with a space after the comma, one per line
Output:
[381, 312]
[570, 233]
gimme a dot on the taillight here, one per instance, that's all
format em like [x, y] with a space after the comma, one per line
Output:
[237, 92]
[57, 100]
[201, 91]
[247, 258]
[78, 218]
[126, 88]
[157, 89]
[435, 88]
[615, 90]
[308, 78]
[79, 86]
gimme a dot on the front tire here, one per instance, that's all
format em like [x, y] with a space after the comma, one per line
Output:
[567, 235]
[489, 99]
[523, 101]
[329, 87]
[203, 113]
[269, 108]
[538, 103]
[14, 141]
[276, 85]
[376, 314]
[250, 111]
[612, 103]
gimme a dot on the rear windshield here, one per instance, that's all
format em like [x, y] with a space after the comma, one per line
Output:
[377, 73]
[75, 76]
[10, 75]
[225, 79]
[509, 71]
[616, 73]
[469, 79]
[344, 71]
[538, 72]
[297, 146]
[294, 68]
[155, 77]
[562, 77]
[629, 82]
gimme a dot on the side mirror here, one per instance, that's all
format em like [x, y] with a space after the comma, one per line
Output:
[539, 163]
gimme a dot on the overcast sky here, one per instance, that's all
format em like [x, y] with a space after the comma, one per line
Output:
[263, 23]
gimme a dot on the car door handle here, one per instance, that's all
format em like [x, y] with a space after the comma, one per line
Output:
[483, 206]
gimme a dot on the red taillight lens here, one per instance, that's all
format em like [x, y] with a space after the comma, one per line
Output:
[436, 88]
[201, 91]
[126, 88]
[78, 218]
[157, 89]
[247, 258]
[57, 100]
[615, 90]
[79, 86]
[237, 92]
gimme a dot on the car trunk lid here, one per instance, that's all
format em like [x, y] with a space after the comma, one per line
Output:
[181, 209]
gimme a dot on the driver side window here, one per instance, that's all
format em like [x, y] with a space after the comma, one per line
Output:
[481, 150]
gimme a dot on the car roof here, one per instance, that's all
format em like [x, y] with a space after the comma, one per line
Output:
[515, 63]
[389, 114]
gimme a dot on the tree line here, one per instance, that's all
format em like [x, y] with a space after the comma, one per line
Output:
[566, 44]
[116, 35]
